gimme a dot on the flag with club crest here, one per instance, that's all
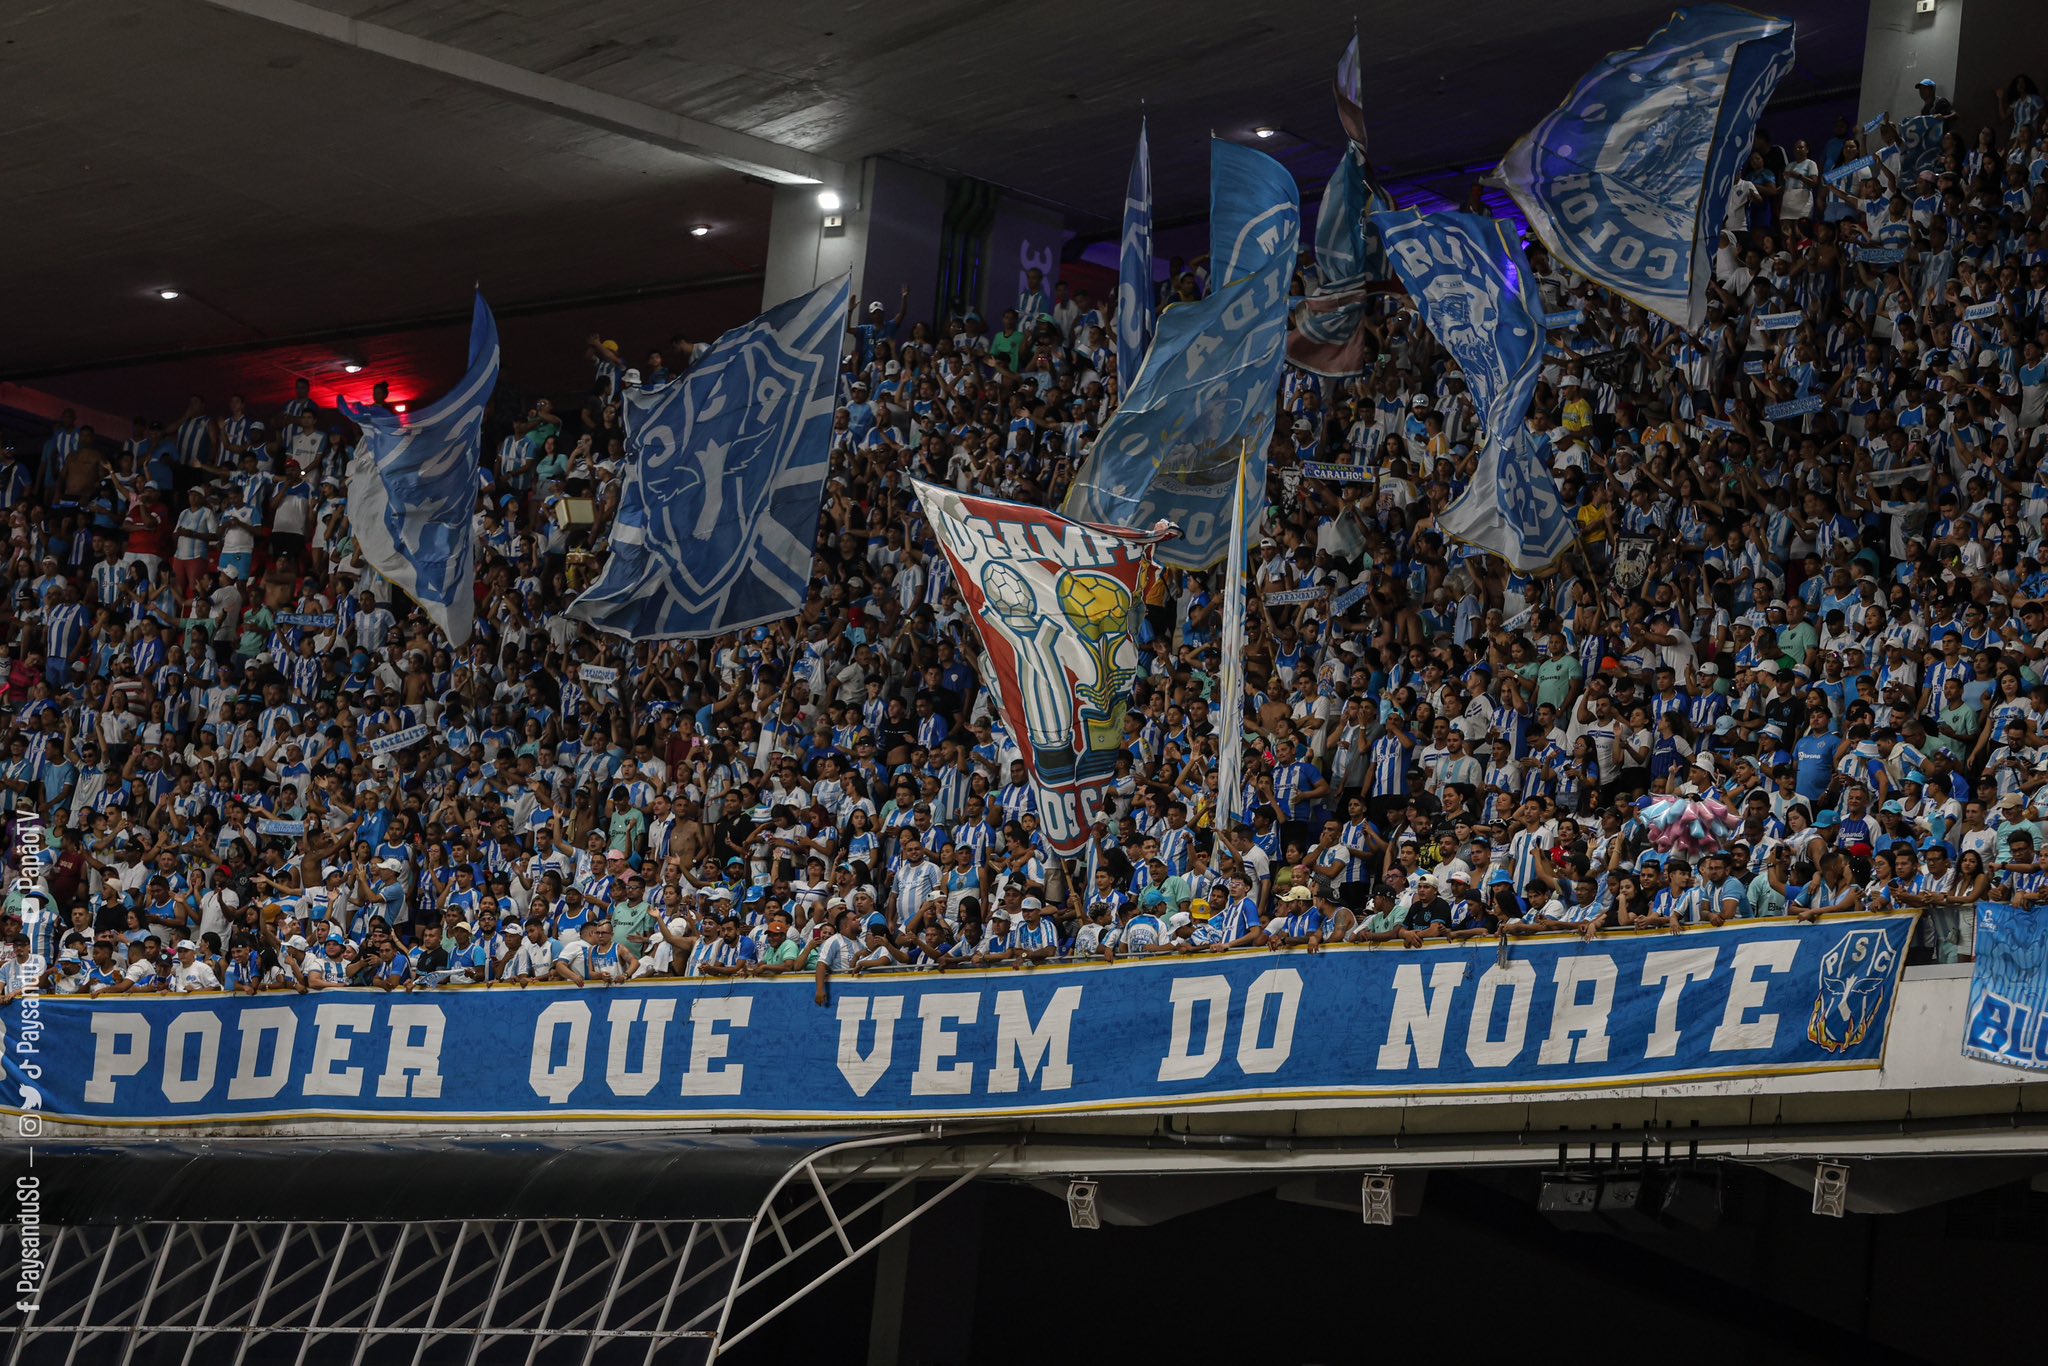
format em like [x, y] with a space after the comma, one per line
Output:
[412, 487]
[718, 508]
[1208, 389]
[1479, 299]
[1628, 180]
[1057, 604]
[1137, 305]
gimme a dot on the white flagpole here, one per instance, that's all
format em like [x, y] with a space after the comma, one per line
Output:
[1230, 682]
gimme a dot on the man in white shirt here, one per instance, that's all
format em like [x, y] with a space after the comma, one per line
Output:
[191, 972]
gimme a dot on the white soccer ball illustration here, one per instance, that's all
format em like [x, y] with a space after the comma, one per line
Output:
[1007, 593]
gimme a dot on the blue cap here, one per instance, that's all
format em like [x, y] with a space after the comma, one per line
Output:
[1151, 896]
[876, 921]
[1930, 845]
[756, 893]
[1916, 776]
[1826, 819]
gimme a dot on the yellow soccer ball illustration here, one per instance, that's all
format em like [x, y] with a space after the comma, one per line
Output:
[1096, 604]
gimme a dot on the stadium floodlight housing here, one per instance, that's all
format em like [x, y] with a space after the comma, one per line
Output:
[1831, 1189]
[1082, 1211]
[1376, 1196]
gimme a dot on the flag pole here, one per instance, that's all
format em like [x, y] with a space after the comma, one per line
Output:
[1230, 680]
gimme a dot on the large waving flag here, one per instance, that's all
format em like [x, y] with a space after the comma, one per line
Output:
[1480, 301]
[1327, 338]
[1057, 605]
[1628, 180]
[1137, 304]
[1207, 392]
[718, 510]
[412, 487]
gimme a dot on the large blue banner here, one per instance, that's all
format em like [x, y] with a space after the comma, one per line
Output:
[718, 511]
[2009, 988]
[1756, 999]
[1628, 180]
[1209, 386]
[1137, 304]
[412, 487]
[1480, 301]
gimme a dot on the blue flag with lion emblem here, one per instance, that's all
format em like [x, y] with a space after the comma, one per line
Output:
[1479, 299]
[1628, 180]
[718, 510]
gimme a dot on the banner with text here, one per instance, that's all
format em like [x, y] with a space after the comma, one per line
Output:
[2009, 988]
[1753, 999]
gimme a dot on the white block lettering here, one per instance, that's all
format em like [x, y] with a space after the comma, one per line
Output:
[1519, 978]
[709, 1044]
[332, 1027]
[863, 1070]
[1569, 1016]
[1674, 968]
[557, 1084]
[935, 1074]
[620, 1075]
[1181, 1063]
[1025, 1051]
[1420, 1015]
[204, 1026]
[412, 1065]
[120, 1047]
[1283, 985]
[1745, 994]
[279, 1022]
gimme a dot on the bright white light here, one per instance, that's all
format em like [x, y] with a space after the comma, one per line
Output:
[700, 230]
[1264, 132]
[828, 200]
[352, 367]
[167, 293]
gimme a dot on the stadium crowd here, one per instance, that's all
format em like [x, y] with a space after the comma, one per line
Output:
[1836, 621]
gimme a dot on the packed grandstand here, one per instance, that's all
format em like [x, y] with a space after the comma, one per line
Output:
[1833, 624]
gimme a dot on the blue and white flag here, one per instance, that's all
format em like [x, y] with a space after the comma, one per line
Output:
[412, 488]
[1480, 300]
[1136, 300]
[1254, 212]
[718, 509]
[1920, 145]
[1208, 390]
[2009, 988]
[1328, 337]
[1628, 181]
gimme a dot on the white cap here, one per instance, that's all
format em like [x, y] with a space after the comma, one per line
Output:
[297, 941]
[184, 944]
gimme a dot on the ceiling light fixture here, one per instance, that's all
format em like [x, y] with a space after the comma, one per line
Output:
[700, 230]
[167, 293]
[398, 407]
[828, 200]
[352, 367]
[1264, 132]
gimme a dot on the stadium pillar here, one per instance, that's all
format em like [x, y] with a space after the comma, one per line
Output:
[942, 1252]
[888, 236]
[1969, 48]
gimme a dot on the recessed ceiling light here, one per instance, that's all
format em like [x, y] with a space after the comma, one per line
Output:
[167, 293]
[700, 230]
[398, 407]
[352, 367]
[1264, 132]
[828, 200]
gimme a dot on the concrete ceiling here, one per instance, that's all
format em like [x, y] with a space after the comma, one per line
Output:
[295, 185]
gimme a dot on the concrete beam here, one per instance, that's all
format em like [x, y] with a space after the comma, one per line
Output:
[629, 118]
